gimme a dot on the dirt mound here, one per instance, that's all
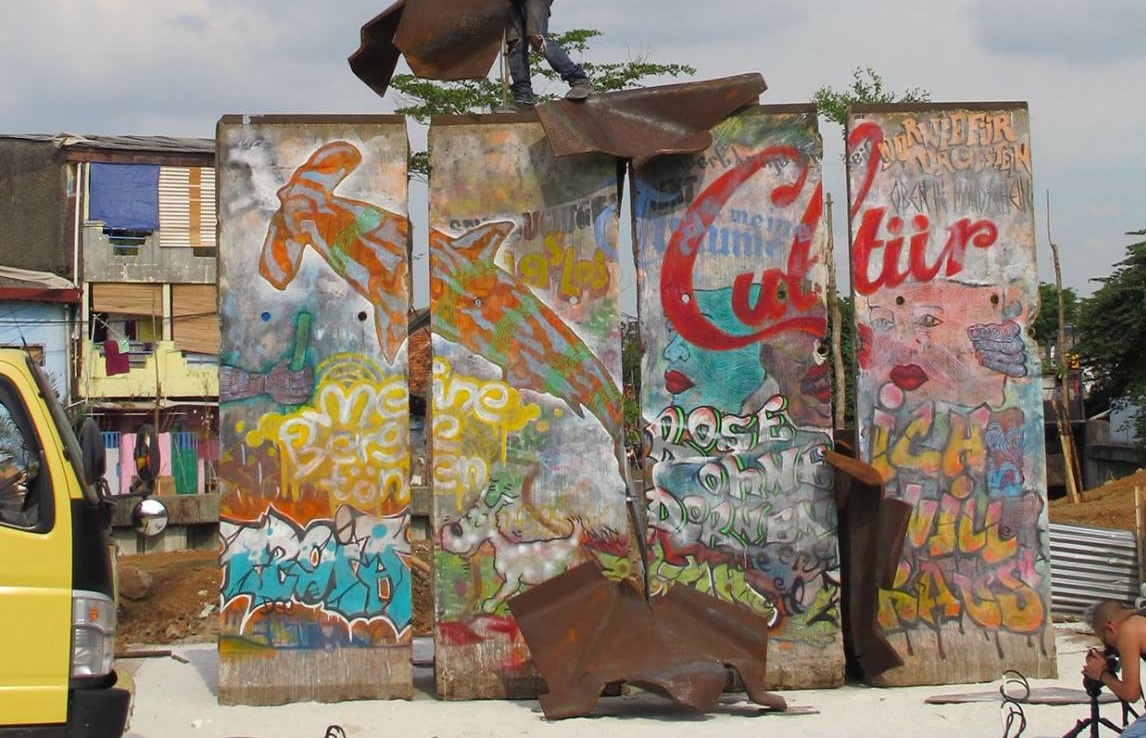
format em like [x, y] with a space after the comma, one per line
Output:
[1108, 506]
[180, 603]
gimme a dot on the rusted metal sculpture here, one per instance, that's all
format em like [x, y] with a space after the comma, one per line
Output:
[585, 631]
[460, 39]
[642, 123]
[871, 532]
[441, 39]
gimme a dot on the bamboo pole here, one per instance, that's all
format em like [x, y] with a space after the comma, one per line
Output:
[1061, 402]
[840, 399]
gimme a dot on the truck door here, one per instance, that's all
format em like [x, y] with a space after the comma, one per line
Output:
[35, 562]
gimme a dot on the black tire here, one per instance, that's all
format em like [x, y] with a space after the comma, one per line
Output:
[93, 456]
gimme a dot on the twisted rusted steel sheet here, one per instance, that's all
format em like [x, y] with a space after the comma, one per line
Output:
[647, 122]
[377, 56]
[460, 39]
[585, 632]
[441, 39]
[871, 530]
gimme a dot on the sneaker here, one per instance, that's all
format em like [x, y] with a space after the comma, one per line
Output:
[579, 89]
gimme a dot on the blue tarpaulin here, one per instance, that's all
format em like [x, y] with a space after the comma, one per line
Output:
[125, 196]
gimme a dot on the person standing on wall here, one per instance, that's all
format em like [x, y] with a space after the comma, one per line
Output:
[529, 21]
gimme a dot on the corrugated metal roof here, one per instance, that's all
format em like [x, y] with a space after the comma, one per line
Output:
[16, 277]
[1091, 564]
[150, 144]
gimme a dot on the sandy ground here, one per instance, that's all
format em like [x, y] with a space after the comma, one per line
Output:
[178, 700]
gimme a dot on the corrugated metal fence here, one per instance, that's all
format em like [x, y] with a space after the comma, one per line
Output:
[1090, 564]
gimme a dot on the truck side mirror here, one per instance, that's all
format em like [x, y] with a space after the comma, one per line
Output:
[149, 517]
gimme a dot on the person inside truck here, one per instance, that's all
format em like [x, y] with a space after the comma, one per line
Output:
[16, 508]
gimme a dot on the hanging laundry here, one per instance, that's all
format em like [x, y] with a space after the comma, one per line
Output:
[115, 361]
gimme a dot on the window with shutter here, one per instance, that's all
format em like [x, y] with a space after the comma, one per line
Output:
[187, 209]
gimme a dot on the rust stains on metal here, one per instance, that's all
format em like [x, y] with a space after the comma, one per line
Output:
[377, 56]
[585, 632]
[441, 39]
[460, 39]
[643, 123]
[871, 531]
[451, 39]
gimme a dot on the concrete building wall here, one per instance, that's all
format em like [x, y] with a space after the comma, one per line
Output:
[152, 263]
[35, 216]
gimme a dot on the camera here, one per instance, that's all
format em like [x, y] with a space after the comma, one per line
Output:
[1111, 657]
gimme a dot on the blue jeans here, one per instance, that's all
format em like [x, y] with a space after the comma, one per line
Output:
[529, 19]
[1136, 729]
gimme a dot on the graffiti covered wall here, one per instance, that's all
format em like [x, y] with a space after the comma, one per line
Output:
[735, 387]
[949, 402]
[526, 407]
[314, 412]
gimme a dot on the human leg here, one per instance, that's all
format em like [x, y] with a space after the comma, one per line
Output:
[537, 30]
[517, 56]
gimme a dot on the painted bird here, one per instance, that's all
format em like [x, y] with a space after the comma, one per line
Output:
[484, 308]
[362, 243]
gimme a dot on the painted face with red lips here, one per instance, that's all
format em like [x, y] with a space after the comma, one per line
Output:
[919, 341]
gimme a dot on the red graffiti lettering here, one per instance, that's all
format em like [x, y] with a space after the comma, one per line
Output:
[867, 245]
[782, 292]
[963, 233]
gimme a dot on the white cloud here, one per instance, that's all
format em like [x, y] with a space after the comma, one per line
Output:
[1091, 33]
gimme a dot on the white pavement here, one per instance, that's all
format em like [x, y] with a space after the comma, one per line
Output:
[178, 700]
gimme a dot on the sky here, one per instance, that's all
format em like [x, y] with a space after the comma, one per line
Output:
[174, 67]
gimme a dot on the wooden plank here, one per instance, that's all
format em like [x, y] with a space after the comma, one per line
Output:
[195, 318]
[735, 389]
[949, 391]
[126, 298]
[314, 411]
[524, 286]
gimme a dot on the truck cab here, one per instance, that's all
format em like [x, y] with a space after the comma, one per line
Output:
[57, 573]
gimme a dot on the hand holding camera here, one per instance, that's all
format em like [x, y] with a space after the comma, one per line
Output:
[1098, 662]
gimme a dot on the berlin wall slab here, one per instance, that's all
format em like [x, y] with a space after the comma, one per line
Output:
[949, 401]
[735, 387]
[526, 407]
[314, 410]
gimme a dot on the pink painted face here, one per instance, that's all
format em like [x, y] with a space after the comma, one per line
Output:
[942, 340]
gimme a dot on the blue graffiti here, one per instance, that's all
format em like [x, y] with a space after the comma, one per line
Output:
[351, 566]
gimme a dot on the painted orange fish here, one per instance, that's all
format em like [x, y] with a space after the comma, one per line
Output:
[484, 308]
[361, 242]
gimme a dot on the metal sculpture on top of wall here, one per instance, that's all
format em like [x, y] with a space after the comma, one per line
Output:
[524, 287]
[949, 391]
[735, 385]
[314, 518]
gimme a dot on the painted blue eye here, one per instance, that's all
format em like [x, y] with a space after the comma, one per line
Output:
[265, 317]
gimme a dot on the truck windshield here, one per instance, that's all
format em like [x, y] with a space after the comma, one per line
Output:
[64, 428]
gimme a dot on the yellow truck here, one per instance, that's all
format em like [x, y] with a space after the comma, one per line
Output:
[57, 566]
